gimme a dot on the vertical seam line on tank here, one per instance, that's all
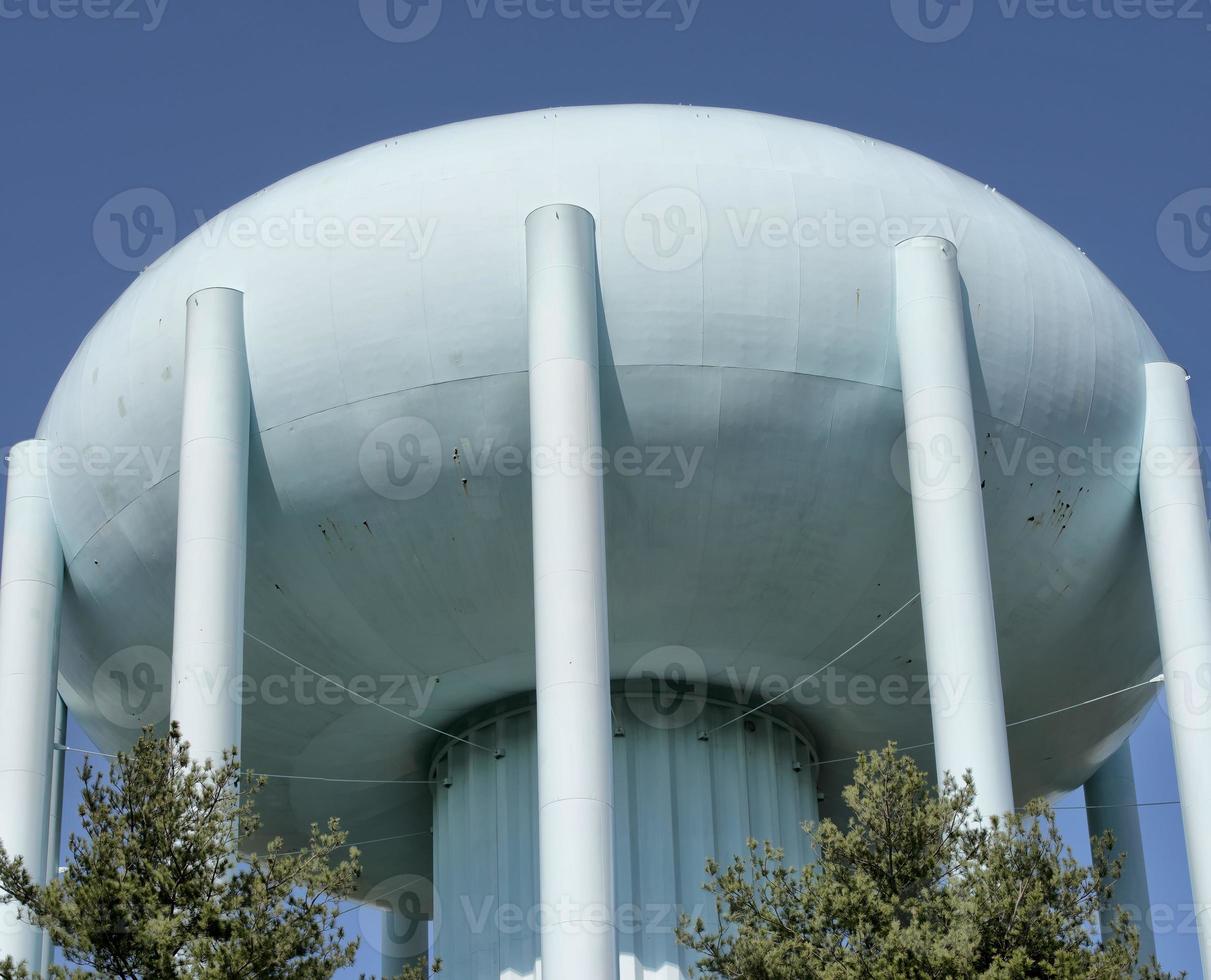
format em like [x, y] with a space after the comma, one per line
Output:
[712, 786]
[638, 889]
[674, 814]
[736, 734]
[790, 180]
[1093, 324]
[701, 267]
[1034, 323]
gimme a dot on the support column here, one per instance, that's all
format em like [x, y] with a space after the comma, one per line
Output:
[575, 773]
[1179, 556]
[212, 521]
[55, 823]
[404, 940]
[1110, 803]
[31, 596]
[948, 515]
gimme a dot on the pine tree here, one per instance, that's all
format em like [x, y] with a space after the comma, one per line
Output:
[917, 887]
[153, 887]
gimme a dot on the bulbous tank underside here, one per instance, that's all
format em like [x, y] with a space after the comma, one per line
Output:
[755, 510]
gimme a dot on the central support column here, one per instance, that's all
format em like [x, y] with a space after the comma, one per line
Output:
[212, 522]
[575, 773]
[31, 598]
[1110, 805]
[680, 800]
[948, 515]
[1179, 557]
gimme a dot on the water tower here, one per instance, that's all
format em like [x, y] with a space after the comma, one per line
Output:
[562, 498]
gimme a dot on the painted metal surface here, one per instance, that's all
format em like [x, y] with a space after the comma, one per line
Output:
[1179, 554]
[31, 595]
[404, 935]
[679, 801]
[208, 620]
[571, 617]
[1113, 806]
[770, 364]
[948, 521]
[55, 821]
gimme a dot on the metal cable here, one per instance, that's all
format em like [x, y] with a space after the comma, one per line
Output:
[362, 697]
[1059, 711]
[1024, 721]
[814, 673]
[278, 775]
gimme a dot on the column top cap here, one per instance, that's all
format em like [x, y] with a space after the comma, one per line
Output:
[930, 241]
[576, 208]
[213, 289]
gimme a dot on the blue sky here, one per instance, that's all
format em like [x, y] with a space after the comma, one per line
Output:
[1093, 114]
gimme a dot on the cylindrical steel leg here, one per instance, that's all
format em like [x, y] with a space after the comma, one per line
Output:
[948, 513]
[1111, 806]
[406, 905]
[575, 779]
[31, 594]
[1179, 556]
[405, 940]
[55, 823]
[212, 516]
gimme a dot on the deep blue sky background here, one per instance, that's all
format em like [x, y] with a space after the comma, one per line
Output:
[1094, 124]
